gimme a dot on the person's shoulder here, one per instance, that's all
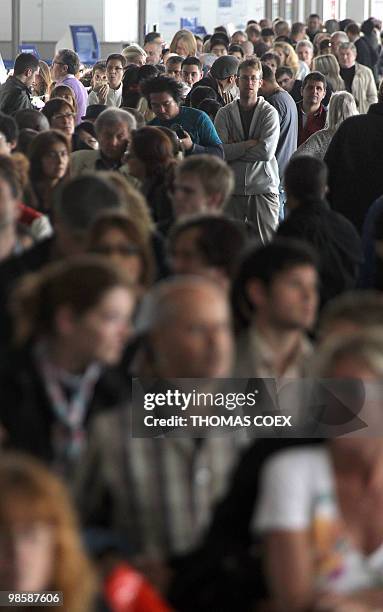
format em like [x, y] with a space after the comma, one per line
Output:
[265, 107]
[85, 156]
[307, 459]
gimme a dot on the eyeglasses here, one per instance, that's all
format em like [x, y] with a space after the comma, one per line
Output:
[166, 104]
[63, 116]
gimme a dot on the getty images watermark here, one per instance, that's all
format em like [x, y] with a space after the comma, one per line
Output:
[260, 407]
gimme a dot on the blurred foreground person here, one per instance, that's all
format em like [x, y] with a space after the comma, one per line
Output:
[40, 545]
[319, 512]
[72, 321]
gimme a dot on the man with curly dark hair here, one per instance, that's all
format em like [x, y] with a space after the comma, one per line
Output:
[194, 128]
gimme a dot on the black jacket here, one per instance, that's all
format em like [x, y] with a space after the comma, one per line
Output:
[26, 414]
[207, 81]
[11, 270]
[335, 240]
[14, 96]
[355, 161]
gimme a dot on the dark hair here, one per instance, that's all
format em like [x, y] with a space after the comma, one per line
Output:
[70, 59]
[267, 74]
[8, 174]
[86, 126]
[200, 93]
[236, 49]
[163, 84]
[210, 107]
[116, 56]
[314, 76]
[38, 296]
[130, 91]
[154, 149]
[266, 32]
[55, 106]
[284, 70]
[151, 37]
[271, 56]
[32, 119]
[220, 240]
[192, 61]
[174, 59]
[367, 26]
[353, 29]
[297, 28]
[148, 71]
[265, 263]
[220, 38]
[23, 62]
[98, 66]
[314, 16]
[123, 223]
[83, 198]
[306, 178]
[26, 137]
[40, 145]
[8, 127]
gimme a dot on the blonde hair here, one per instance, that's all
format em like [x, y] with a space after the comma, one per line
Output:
[291, 58]
[187, 38]
[46, 78]
[365, 347]
[342, 105]
[135, 205]
[30, 493]
[328, 65]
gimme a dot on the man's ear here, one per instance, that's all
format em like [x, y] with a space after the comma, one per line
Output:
[215, 202]
[28, 72]
[255, 291]
[65, 321]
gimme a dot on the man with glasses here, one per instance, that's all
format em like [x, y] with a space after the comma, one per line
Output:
[65, 66]
[195, 130]
[249, 129]
[110, 93]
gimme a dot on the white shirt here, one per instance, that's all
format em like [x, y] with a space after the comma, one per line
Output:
[113, 98]
[298, 492]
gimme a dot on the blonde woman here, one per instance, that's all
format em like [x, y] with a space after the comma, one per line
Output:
[289, 58]
[184, 44]
[328, 65]
[342, 105]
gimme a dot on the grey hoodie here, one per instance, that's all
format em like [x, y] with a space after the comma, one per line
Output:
[255, 169]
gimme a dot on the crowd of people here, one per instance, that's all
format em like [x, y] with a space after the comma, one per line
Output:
[207, 209]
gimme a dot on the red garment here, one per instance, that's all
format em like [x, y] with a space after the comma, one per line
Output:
[126, 590]
[27, 214]
[315, 122]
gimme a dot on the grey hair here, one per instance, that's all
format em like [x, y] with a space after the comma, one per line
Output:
[365, 347]
[340, 34]
[348, 45]
[304, 43]
[113, 116]
[342, 105]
